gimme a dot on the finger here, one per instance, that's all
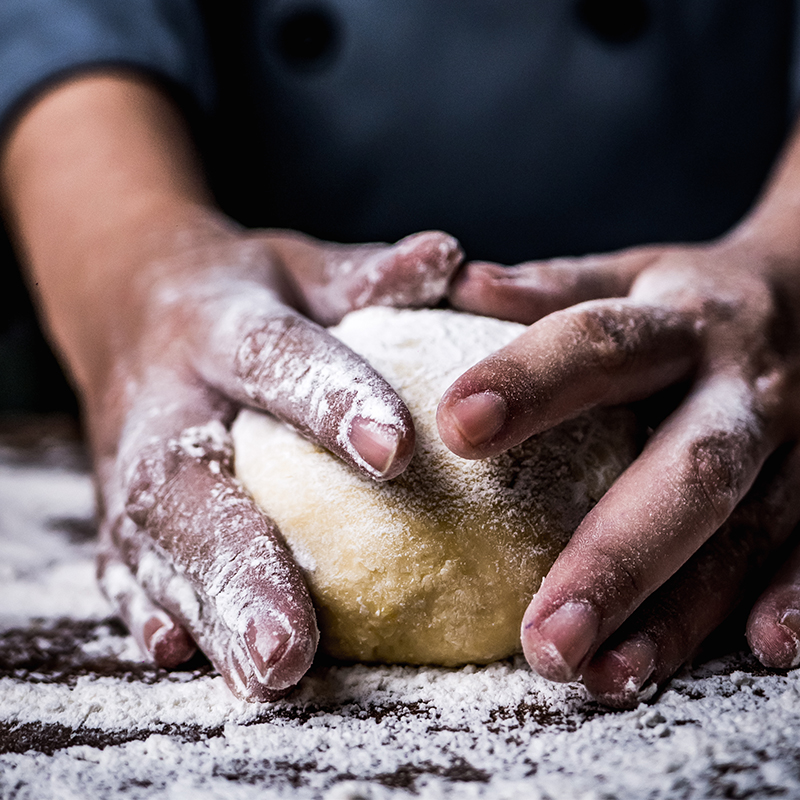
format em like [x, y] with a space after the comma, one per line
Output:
[773, 628]
[260, 353]
[672, 625]
[692, 474]
[527, 292]
[599, 353]
[159, 635]
[334, 279]
[213, 561]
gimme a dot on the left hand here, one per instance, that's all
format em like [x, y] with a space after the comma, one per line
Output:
[665, 556]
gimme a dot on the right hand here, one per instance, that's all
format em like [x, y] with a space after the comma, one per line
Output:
[206, 328]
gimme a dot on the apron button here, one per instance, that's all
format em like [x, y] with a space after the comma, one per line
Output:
[615, 21]
[307, 37]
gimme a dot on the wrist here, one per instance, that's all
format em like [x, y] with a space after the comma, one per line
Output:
[119, 302]
[771, 229]
[100, 180]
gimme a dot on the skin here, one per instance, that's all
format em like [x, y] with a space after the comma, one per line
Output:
[694, 526]
[170, 317]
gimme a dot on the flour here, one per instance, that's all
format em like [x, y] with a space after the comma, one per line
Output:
[82, 717]
[378, 732]
[41, 562]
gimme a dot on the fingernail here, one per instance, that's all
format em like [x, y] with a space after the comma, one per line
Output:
[621, 677]
[158, 633]
[377, 444]
[167, 644]
[558, 647]
[266, 643]
[479, 417]
[154, 631]
[775, 640]
[791, 621]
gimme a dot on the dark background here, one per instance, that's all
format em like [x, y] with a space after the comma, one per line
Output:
[30, 377]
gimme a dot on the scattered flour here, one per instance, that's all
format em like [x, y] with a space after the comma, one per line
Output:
[42, 512]
[99, 724]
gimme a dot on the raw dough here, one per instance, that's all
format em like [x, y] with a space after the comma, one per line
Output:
[438, 565]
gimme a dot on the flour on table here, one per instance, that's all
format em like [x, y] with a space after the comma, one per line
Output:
[81, 717]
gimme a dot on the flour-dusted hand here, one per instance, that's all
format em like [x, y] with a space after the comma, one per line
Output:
[171, 318]
[665, 556]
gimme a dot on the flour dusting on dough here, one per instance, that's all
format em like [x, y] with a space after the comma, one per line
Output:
[437, 565]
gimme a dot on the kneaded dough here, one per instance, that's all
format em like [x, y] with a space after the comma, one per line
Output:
[438, 565]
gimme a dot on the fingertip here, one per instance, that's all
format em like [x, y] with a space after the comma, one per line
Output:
[280, 653]
[468, 423]
[415, 272]
[436, 246]
[271, 658]
[557, 645]
[622, 676]
[775, 638]
[161, 638]
[238, 674]
[167, 643]
[385, 450]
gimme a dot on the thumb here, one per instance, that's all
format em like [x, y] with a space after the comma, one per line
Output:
[527, 292]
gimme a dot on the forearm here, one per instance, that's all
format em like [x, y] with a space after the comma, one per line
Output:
[97, 174]
[772, 225]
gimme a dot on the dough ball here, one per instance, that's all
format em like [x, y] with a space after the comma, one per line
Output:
[438, 565]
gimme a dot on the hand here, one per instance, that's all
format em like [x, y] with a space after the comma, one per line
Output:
[169, 318]
[186, 555]
[664, 556]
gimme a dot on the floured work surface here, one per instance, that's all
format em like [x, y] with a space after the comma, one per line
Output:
[82, 717]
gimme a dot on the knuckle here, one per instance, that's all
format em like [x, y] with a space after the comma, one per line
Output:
[766, 517]
[210, 443]
[150, 472]
[716, 469]
[625, 576]
[159, 465]
[610, 335]
[629, 579]
[266, 353]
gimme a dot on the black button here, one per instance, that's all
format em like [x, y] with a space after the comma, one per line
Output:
[307, 37]
[615, 21]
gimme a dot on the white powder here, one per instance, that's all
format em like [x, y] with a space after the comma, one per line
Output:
[39, 566]
[100, 724]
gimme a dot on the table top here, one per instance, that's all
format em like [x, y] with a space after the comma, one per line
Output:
[81, 715]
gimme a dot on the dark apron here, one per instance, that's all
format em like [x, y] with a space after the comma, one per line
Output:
[526, 129]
